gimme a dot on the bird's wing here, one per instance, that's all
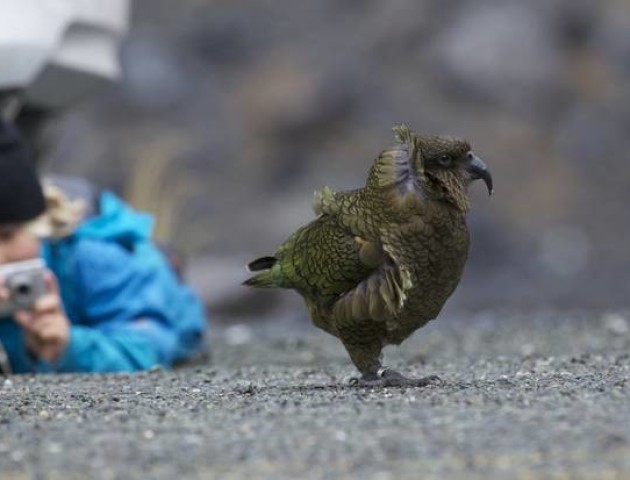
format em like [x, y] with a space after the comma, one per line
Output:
[323, 260]
[381, 294]
[385, 291]
[378, 297]
[349, 210]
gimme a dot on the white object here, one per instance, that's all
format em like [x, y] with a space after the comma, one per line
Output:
[57, 51]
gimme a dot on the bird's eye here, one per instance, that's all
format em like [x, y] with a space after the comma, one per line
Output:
[445, 160]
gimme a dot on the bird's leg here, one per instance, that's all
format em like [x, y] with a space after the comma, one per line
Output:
[367, 357]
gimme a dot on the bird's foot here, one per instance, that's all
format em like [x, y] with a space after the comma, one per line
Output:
[391, 378]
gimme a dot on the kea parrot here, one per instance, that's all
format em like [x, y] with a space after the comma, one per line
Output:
[379, 262]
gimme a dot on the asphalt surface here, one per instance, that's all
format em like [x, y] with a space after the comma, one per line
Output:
[524, 396]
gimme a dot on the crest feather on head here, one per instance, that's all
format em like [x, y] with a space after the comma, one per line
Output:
[407, 137]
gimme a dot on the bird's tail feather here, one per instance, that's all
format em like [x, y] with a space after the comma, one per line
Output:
[262, 280]
[262, 263]
[265, 278]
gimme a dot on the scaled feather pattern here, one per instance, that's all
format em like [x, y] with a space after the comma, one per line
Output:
[380, 261]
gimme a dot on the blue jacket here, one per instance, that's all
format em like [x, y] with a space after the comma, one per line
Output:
[128, 311]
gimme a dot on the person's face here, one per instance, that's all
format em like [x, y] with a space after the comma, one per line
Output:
[17, 243]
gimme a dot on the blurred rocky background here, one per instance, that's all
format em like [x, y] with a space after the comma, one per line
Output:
[230, 114]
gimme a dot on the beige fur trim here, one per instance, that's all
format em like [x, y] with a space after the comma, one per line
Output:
[62, 215]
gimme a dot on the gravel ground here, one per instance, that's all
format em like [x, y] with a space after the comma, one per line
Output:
[525, 396]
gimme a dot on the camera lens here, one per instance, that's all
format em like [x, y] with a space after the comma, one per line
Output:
[23, 289]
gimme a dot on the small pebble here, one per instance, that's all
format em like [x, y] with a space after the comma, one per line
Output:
[17, 455]
[616, 324]
[528, 350]
[238, 335]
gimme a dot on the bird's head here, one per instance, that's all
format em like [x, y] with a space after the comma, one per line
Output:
[442, 167]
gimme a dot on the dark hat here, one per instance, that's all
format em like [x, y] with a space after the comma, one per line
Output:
[21, 195]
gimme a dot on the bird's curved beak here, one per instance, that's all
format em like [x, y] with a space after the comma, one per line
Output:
[478, 170]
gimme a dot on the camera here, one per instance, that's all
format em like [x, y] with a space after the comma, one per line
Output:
[25, 282]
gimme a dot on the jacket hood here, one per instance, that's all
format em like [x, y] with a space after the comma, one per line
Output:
[116, 221]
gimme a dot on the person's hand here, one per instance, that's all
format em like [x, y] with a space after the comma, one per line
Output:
[46, 326]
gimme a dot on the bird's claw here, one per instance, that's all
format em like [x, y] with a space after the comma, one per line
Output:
[391, 378]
